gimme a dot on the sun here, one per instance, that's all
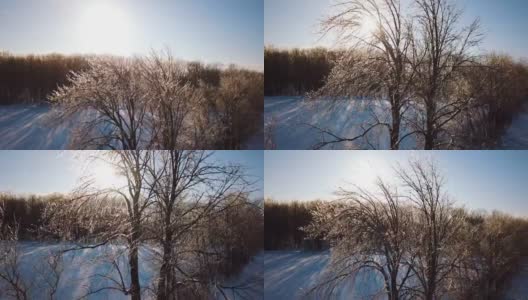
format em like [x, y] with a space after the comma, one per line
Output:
[369, 25]
[104, 28]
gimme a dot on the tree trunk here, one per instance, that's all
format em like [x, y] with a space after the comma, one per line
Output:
[395, 131]
[133, 261]
[429, 141]
[394, 295]
[165, 288]
[429, 130]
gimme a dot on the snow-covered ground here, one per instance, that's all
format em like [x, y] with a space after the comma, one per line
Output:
[516, 136]
[517, 287]
[250, 279]
[294, 119]
[292, 116]
[292, 274]
[34, 127]
[30, 127]
[89, 270]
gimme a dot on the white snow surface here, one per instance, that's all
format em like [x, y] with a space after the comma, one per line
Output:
[292, 275]
[91, 269]
[293, 116]
[517, 287]
[34, 127]
[516, 136]
[25, 127]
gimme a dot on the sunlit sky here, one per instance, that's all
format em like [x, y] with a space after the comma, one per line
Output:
[212, 31]
[45, 172]
[489, 180]
[295, 23]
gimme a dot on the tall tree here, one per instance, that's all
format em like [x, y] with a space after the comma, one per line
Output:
[444, 49]
[369, 232]
[189, 188]
[437, 228]
[377, 64]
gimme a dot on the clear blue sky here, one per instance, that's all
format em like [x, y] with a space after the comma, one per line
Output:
[476, 179]
[227, 31]
[294, 23]
[44, 172]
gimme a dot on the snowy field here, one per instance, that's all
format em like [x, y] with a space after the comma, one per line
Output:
[28, 127]
[516, 136]
[89, 270]
[291, 274]
[31, 127]
[293, 118]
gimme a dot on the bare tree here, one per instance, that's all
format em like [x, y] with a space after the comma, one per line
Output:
[50, 272]
[170, 199]
[93, 218]
[133, 165]
[110, 103]
[157, 102]
[437, 227]
[10, 255]
[238, 91]
[443, 50]
[188, 189]
[493, 247]
[178, 108]
[368, 231]
[378, 64]
[270, 126]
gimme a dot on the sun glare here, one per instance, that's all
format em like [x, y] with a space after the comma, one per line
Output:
[368, 25]
[104, 28]
[105, 175]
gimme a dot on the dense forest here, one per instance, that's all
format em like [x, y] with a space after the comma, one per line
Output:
[283, 222]
[31, 78]
[294, 72]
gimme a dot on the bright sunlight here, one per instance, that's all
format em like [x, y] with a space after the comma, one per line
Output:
[104, 28]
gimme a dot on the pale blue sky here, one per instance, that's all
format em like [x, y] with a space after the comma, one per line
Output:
[44, 172]
[476, 179]
[294, 23]
[227, 31]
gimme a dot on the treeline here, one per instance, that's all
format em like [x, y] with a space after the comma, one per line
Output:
[284, 222]
[203, 106]
[237, 231]
[25, 213]
[31, 78]
[291, 72]
[159, 102]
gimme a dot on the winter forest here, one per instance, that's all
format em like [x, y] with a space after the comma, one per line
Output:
[183, 226]
[263, 150]
[402, 236]
[402, 75]
[152, 102]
